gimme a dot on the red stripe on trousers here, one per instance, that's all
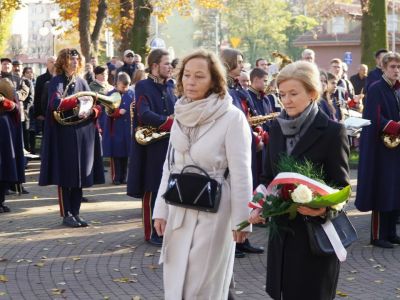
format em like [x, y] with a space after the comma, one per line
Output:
[146, 211]
[60, 201]
[112, 165]
[375, 225]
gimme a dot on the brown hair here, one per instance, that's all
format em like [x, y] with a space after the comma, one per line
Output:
[155, 57]
[218, 76]
[62, 62]
[229, 58]
[257, 73]
[305, 72]
[336, 61]
[388, 57]
[138, 75]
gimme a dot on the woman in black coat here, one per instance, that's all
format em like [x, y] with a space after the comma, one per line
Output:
[304, 132]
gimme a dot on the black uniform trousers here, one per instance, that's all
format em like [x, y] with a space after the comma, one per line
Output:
[3, 188]
[70, 200]
[383, 224]
[119, 168]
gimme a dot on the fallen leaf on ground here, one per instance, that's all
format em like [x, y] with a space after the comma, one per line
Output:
[45, 249]
[371, 259]
[238, 292]
[147, 254]
[116, 270]
[133, 267]
[70, 243]
[353, 271]
[136, 298]
[39, 264]
[57, 291]
[152, 267]
[350, 278]
[76, 258]
[62, 283]
[2, 259]
[378, 281]
[341, 294]
[77, 271]
[100, 241]
[382, 269]
[377, 266]
[95, 222]
[3, 278]
[3, 293]
[124, 280]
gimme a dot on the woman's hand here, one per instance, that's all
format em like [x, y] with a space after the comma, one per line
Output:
[240, 236]
[312, 212]
[255, 217]
[159, 225]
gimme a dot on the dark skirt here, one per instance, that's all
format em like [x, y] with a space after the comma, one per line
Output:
[293, 272]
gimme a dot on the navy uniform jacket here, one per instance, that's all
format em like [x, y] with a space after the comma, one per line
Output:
[242, 100]
[154, 103]
[261, 104]
[71, 154]
[373, 76]
[39, 90]
[273, 100]
[378, 185]
[12, 168]
[117, 129]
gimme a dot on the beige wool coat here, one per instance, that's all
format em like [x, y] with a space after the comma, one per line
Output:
[198, 248]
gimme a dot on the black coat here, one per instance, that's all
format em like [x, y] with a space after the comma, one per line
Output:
[292, 270]
[39, 90]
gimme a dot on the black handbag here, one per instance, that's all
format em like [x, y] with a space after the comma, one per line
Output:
[194, 190]
[319, 242]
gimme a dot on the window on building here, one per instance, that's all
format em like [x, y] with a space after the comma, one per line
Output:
[338, 25]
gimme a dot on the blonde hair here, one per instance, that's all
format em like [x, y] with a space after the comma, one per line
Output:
[390, 56]
[305, 72]
[218, 76]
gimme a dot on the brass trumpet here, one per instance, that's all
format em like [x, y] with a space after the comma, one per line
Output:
[390, 141]
[111, 103]
[145, 135]
[259, 120]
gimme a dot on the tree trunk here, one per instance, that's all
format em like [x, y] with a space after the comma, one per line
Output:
[100, 18]
[141, 27]
[373, 29]
[84, 32]
[126, 31]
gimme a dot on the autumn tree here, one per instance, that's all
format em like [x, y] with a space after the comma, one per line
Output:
[373, 29]
[7, 9]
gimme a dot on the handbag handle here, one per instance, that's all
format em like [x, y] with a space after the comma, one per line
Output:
[196, 167]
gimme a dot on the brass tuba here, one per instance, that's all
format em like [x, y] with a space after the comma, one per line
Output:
[390, 141]
[111, 103]
[145, 135]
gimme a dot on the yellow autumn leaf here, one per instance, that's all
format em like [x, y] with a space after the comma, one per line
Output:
[39, 264]
[152, 267]
[341, 294]
[3, 293]
[148, 254]
[124, 280]
[3, 278]
[76, 258]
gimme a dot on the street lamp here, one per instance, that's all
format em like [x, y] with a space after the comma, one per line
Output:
[54, 29]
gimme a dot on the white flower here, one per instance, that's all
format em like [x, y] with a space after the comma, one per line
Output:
[339, 206]
[302, 194]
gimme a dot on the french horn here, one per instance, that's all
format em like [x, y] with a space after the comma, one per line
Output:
[390, 141]
[111, 103]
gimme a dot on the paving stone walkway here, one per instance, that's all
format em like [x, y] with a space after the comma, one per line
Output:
[40, 259]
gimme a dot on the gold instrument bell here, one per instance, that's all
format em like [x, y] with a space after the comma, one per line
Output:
[259, 120]
[111, 103]
[390, 141]
[145, 135]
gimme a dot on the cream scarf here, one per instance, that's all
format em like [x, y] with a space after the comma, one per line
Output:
[191, 115]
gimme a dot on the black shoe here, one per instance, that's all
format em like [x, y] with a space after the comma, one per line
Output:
[248, 248]
[382, 244]
[1, 210]
[9, 192]
[23, 191]
[4, 208]
[81, 221]
[156, 240]
[239, 254]
[84, 199]
[116, 182]
[70, 221]
[395, 240]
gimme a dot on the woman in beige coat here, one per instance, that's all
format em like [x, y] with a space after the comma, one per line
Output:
[210, 132]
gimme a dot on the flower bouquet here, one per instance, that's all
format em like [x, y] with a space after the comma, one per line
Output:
[297, 184]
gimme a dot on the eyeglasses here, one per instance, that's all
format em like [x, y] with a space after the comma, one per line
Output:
[129, 55]
[73, 52]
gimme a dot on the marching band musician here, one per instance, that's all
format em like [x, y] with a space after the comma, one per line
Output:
[378, 189]
[11, 145]
[117, 131]
[71, 154]
[232, 60]
[154, 107]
